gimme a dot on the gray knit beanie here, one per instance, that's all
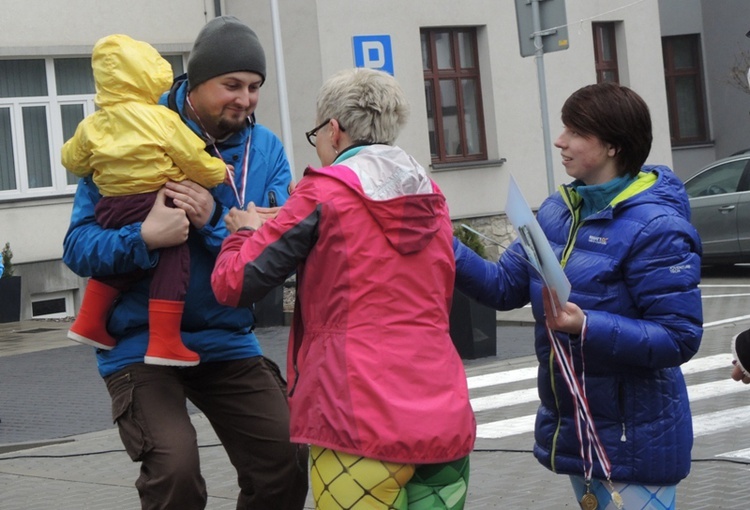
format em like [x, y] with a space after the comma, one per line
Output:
[224, 45]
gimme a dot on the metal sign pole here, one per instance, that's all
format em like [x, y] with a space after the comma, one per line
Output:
[539, 56]
[286, 131]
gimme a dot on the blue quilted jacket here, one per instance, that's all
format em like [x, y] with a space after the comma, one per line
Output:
[634, 268]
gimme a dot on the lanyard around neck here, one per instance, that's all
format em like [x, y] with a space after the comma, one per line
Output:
[239, 194]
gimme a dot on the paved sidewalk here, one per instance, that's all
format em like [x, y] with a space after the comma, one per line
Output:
[59, 449]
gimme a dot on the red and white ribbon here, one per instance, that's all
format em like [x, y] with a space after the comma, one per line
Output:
[585, 427]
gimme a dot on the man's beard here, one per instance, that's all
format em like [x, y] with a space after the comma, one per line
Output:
[231, 124]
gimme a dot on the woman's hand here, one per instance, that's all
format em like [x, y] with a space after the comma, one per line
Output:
[568, 318]
[237, 218]
[267, 213]
[194, 199]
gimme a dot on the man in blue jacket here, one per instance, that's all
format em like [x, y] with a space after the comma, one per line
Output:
[240, 392]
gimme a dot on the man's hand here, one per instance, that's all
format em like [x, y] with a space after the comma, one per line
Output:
[164, 226]
[194, 199]
[237, 218]
[568, 318]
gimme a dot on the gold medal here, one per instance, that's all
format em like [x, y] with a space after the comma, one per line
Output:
[589, 502]
[617, 499]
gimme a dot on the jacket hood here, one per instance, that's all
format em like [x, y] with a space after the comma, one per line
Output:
[396, 192]
[668, 190]
[128, 70]
[655, 184]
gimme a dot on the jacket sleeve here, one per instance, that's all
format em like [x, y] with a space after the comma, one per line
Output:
[187, 151]
[250, 264]
[503, 285]
[75, 154]
[279, 174]
[662, 274]
[90, 250]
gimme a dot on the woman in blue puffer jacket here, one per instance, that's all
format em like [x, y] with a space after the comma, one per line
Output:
[609, 358]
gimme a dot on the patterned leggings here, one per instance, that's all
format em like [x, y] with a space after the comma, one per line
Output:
[345, 482]
[634, 496]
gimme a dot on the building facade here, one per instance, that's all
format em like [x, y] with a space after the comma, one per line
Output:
[706, 58]
[476, 102]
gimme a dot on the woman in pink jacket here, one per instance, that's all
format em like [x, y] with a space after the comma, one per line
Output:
[374, 378]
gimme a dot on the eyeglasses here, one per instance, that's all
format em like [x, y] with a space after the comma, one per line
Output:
[314, 132]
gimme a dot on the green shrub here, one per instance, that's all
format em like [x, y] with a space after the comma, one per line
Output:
[470, 239]
[7, 255]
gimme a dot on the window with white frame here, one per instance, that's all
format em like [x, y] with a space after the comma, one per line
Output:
[54, 305]
[42, 100]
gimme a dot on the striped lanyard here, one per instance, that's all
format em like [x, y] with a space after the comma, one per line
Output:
[588, 438]
[239, 194]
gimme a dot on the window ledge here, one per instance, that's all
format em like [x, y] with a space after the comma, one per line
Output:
[35, 200]
[696, 145]
[464, 165]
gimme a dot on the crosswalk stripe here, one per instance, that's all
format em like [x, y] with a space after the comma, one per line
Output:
[504, 428]
[737, 454]
[524, 396]
[720, 421]
[714, 389]
[704, 363]
[495, 378]
[523, 424]
[522, 374]
[504, 399]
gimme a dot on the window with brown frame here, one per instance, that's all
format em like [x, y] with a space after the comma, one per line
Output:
[686, 101]
[453, 92]
[605, 53]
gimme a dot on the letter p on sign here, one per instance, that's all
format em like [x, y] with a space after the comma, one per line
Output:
[374, 52]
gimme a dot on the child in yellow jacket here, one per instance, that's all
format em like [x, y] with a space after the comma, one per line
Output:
[131, 146]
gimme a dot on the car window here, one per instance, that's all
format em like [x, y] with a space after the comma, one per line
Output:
[717, 180]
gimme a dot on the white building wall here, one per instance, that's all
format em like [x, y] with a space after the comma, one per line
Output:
[317, 40]
[510, 87]
[39, 27]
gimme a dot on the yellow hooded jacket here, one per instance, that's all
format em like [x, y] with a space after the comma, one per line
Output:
[131, 144]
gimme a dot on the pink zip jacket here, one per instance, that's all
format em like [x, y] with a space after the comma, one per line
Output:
[372, 369]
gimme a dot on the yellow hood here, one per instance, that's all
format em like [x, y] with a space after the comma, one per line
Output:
[128, 70]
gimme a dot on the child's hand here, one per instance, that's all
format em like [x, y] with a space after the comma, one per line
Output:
[229, 178]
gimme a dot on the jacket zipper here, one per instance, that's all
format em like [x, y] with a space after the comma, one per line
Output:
[621, 407]
[557, 405]
[574, 225]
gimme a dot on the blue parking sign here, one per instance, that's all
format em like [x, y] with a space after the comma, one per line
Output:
[374, 52]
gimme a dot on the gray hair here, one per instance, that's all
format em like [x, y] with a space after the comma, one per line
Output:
[369, 104]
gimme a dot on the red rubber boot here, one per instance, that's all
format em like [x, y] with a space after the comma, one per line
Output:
[165, 345]
[90, 326]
